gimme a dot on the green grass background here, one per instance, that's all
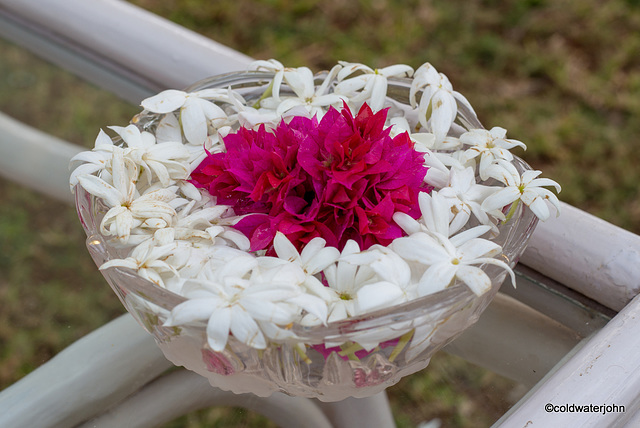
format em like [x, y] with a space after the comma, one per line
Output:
[562, 76]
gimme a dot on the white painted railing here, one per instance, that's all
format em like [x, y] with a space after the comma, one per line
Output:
[116, 45]
[577, 272]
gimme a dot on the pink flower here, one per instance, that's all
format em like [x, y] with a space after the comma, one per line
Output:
[341, 178]
[216, 362]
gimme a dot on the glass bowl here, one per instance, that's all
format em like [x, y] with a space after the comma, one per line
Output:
[333, 366]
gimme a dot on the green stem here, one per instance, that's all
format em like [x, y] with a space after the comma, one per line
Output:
[267, 93]
[302, 354]
[404, 340]
[512, 210]
[350, 351]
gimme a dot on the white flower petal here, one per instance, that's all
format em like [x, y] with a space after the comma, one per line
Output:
[123, 224]
[536, 204]
[474, 278]
[464, 236]
[246, 330]
[312, 304]
[539, 182]
[420, 248]
[238, 238]
[220, 322]
[124, 263]
[338, 311]
[378, 93]
[194, 121]
[165, 102]
[284, 248]
[349, 86]
[443, 113]
[314, 286]
[406, 222]
[288, 104]
[378, 295]
[168, 129]
[349, 68]
[436, 278]
[101, 189]
[500, 199]
[478, 247]
[263, 310]
[192, 310]
[396, 70]
[435, 212]
[301, 82]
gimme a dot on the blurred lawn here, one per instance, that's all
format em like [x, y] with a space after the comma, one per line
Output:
[558, 75]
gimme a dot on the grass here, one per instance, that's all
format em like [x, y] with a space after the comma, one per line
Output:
[559, 76]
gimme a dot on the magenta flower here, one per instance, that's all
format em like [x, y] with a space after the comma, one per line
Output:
[341, 178]
[216, 362]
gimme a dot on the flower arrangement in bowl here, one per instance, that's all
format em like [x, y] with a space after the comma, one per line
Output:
[321, 235]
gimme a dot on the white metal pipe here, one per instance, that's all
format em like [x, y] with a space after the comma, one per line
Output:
[35, 159]
[91, 67]
[589, 255]
[137, 42]
[89, 376]
[360, 412]
[604, 372]
[181, 392]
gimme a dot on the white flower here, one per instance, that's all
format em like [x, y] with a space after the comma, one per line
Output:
[301, 81]
[291, 273]
[193, 223]
[438, 172]
[227, 234]
[231, 303]
[127, 208]
[164, 160]
[344, 280]
[490, 146]
[392, 283]
[148, 259]
[196, 111]
[371, 85]
[96, 160]
[526, 188]
[449, 259]
[445, 258]
[251, 118]
[435, 217]
[199, 261]
[272, 66]
[313, 258]
[438, 102]
[361, 282]
[464, 197]
[426, 141]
